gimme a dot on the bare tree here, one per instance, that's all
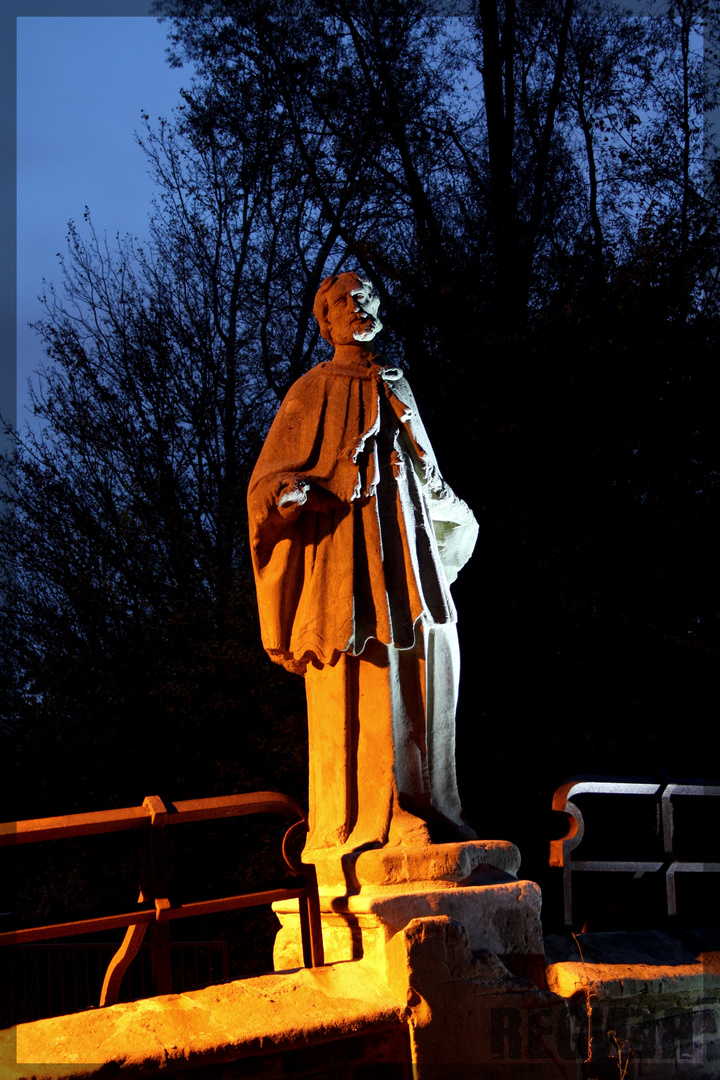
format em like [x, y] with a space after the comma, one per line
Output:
[515, 185]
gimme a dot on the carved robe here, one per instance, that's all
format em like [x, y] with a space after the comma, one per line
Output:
[358, 565]
[380, 536]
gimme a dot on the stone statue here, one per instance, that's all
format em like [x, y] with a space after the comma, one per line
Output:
[355, 541]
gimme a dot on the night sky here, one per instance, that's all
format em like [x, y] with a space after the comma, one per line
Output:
[82, 84]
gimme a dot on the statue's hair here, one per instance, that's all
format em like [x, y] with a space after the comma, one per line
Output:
[321, 305]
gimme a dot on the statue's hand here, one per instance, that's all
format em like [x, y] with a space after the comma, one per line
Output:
[295, 493]
[292, 495]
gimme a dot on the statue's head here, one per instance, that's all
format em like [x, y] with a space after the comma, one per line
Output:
[346, 308]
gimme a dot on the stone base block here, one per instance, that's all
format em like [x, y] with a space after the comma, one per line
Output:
[502, 917]
[387, 868]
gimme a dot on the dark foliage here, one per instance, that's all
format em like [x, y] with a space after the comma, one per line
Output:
[527, 191]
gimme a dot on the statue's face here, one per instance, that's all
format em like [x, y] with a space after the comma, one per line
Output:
[353, 311]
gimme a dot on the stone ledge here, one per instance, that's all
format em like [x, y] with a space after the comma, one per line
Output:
[626, 964]
[655, 994]
[221, 1023]
[606, 981]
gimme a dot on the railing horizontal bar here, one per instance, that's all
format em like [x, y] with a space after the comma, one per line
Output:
[77, 926]
[57, 828]
[147, 915]
[135, 817]
[259, 802]
[603, 787]
[695, 867]
[229, 903]
[691, 789]
[676, 867]
[111, 946]
[629, 867]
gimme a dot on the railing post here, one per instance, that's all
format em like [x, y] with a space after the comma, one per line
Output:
[159, 874]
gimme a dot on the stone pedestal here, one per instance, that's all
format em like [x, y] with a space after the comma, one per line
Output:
[450, 930]
[348, 872]
[472, 883]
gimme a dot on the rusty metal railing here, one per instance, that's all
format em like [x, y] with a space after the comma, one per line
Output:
[561, 850]
[154, 908]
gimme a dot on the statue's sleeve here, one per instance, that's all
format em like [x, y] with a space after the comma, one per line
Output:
[280, 475]
[456, 530]
[301, 521]
[296, 470]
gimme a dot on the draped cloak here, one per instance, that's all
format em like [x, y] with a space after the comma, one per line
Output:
[373, 537]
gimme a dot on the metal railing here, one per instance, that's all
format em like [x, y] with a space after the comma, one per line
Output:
[154, 910]
[663, 792]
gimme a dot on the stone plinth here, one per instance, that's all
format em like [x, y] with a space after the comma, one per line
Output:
[472, 883]
[387, 868]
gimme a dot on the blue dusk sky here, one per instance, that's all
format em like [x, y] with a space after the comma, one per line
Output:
[83, 79]
[82, 84]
